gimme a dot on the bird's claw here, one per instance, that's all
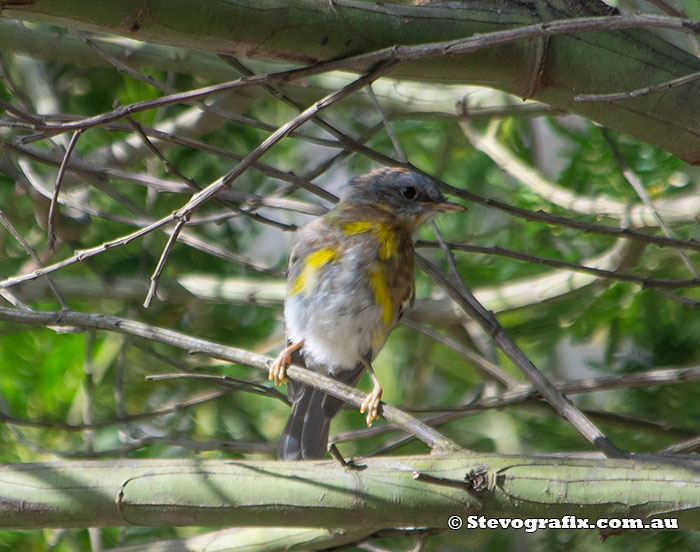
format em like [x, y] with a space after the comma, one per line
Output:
[278, 369]
[371, 405]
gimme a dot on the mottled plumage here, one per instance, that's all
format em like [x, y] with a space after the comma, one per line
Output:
[351, 273]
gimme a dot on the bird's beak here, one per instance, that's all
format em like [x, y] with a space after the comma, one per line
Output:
[448, 207]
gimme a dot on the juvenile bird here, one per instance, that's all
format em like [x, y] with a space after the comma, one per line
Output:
[350, 275]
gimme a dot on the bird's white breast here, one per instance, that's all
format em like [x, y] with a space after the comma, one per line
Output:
[338, 317]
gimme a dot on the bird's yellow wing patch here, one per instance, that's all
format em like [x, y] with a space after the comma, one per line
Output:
[312, 262]
[377, 281]
[382, 232]
[382, 296]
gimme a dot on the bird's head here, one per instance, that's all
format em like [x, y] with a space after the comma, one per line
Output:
[412, 197]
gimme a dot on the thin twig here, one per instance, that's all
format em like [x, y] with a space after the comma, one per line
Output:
[83, 254]
[199, 198]
[211, 190]
[587, 227]
[485, 113]
[148, 180]
[686, 446]
[324, 166]
[667, 8]
[19, 113]
[14, 300]
[285, 176]
[618, 96]
[348, 143]
[385, 121]
[51, 243]
[638, 187]
[176, 406]
[155, 277]
[538, 216]
[685, 301]
[193, 240]
[35, 257]
[524, 392]
[644, 281]
[33, 179]
[636, 423]
[485, 368]
[169, 167]
[189, 182]
[229, 381]
[81, 167]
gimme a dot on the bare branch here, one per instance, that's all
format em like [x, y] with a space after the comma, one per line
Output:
[175, 406]
[326, 384]
[385, 121]
[210, 191]
[618, 96]
[32, 253]
[484, 367]
[644, 281]
[587, 227]
[161, 262]
[59, 179]
[459, 292]
[79, 256]
[234, 384]
[638, 187]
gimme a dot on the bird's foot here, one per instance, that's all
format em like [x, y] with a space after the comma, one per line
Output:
[349, 464]
[278, 370]
[371, 404]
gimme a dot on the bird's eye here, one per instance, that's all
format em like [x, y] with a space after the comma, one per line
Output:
[409, 192]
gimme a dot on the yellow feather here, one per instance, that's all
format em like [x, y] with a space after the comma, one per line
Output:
[377, 282]
[357, 227]
[384, 234]
[312, 262]
[318, 258]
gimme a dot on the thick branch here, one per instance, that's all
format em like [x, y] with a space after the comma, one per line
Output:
[538, 56]
[391, 492]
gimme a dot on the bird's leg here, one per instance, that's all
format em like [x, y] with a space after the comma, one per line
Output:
[278, 370]
[371, 403]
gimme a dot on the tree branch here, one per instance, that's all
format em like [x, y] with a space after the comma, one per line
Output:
[328, 385]
[386, 494]
[436, 32]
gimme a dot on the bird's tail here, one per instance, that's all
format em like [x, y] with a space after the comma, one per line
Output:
[305, 436]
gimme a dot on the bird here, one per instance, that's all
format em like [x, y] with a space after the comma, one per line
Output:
[350, 276]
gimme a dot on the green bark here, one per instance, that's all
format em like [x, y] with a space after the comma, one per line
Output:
[323, 494]
[553, 70]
